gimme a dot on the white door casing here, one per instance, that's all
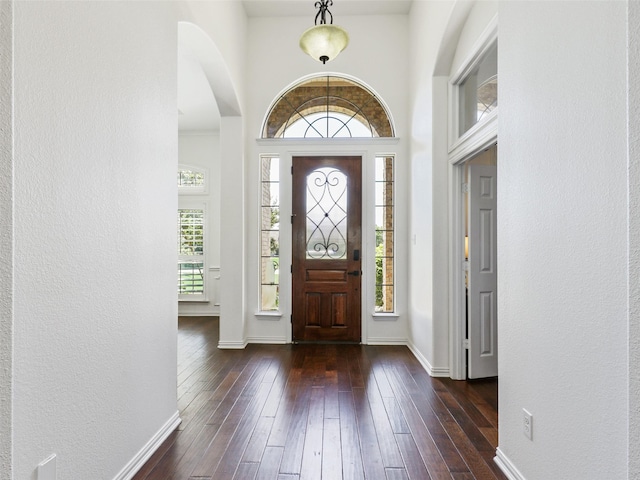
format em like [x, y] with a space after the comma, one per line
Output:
[482, 309]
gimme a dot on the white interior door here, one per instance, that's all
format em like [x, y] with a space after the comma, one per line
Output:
[482, 309]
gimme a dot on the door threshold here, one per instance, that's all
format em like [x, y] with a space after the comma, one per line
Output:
[324, 342]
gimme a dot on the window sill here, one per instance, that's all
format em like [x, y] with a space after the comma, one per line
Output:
[385, 317]
[268, 316]
[193, 300]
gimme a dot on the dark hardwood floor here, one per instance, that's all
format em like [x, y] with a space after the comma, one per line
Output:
[328, 412]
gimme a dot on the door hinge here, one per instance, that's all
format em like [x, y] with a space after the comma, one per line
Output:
[465, 344]
[291, 268]
[292, 217]
[465, 188]
[291, 169]
[291, 318]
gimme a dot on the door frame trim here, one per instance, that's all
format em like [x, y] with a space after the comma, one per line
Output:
[457, 308]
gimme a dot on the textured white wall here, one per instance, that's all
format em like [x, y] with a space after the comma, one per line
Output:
[232, 243]
[6, 241]
[634, 238]
[203, 150]
[562, 231]
[443, 37]
[95, 200]
[429, 335]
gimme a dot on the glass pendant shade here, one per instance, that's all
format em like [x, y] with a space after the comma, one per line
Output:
[324, 42]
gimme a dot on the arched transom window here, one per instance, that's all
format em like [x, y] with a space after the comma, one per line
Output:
[327, 107]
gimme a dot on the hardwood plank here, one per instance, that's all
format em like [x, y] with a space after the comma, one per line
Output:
[246, 471]
[197, 434]
[397, 474]
[258, 441]
[463, 476]
[278, 435]
[355, 374]
[331, 449]
[415, 467]
[311, 468]
[156, 457]
[423, 403]
[458, 425]
[491, 434]
[342, 368]
[425, 444]
[216, 450]
[389, 451]
[294, 444]
[331, 397]
[372, 460]
[352, 467]
[336, 412]
[270, 464]
[229, 461]
[396, 417]
[187, 450]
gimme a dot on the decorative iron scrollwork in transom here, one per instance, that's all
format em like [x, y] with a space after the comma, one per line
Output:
[326, 214]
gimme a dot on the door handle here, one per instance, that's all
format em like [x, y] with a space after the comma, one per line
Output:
[355, 273]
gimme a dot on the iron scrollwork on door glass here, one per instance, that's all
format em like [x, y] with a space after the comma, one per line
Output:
[326, 214]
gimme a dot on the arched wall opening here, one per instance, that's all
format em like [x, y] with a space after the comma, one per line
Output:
[229, 198]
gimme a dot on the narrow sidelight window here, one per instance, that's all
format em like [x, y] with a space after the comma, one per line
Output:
[384, 235]
[270, 233]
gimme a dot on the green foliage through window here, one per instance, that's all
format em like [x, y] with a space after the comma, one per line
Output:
[190, 251]
[270, 233]
[384, 254]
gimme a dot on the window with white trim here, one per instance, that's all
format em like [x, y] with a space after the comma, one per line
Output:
[191, 180]
[191, 234]
[269, 233]
[478, 91]
[327, 106]
[190, 253]
[384, 256]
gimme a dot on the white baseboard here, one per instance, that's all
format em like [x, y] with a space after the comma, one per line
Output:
[432, 371]
[268, 340]
[152, 445]
[232, 345]
[508, 468]
[386, 341]
[209, 313]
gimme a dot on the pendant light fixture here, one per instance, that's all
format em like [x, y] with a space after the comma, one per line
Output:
[324, 42]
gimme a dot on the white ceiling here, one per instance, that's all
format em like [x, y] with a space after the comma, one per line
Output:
[197, 108]
[288, 8]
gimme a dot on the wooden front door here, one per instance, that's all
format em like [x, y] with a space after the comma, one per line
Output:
[327, 236]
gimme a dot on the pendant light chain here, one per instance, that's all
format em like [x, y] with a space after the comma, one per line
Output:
[323, 9]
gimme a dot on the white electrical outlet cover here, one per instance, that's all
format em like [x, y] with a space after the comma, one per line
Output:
[527, 424]
[47, 469]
